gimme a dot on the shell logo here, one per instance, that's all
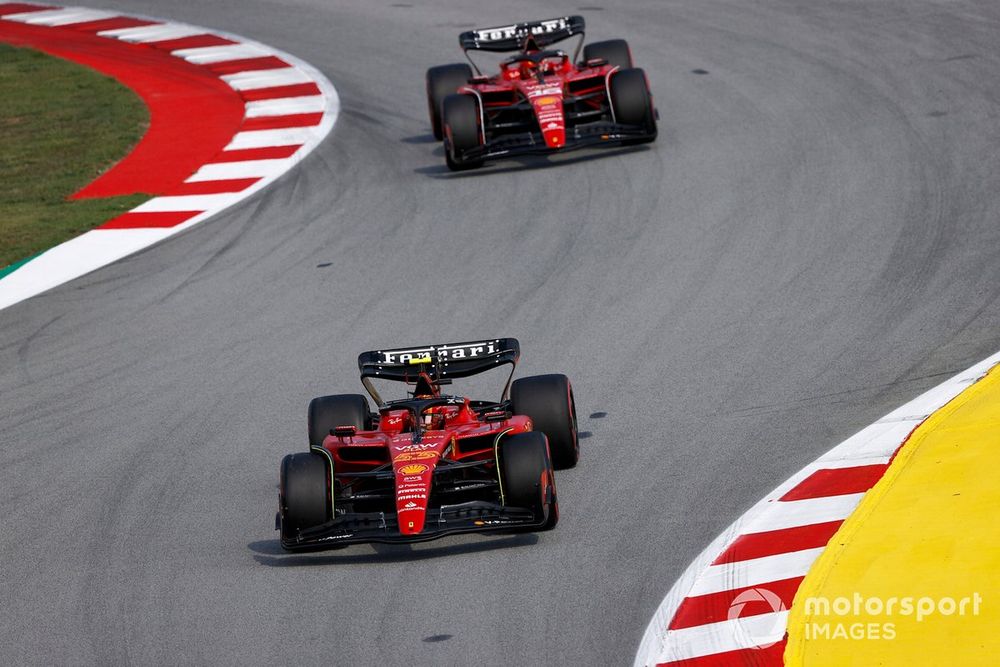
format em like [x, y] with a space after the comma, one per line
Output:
[413, 469]
[547, 100]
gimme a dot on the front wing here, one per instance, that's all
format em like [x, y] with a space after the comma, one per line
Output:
[579, 136]
[469, 517]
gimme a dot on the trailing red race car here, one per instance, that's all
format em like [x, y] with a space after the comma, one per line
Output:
[542, 100]
[431, 464]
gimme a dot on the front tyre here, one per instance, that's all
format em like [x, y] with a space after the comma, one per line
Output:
[462, 132]
[632, 102]
[328, 412]
[548, 401]
[303, 495]
[442, 81]
[526, 476]
[614, 51]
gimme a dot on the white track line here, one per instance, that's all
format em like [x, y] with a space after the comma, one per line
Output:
[224, 171]
[154, 33]
[266, 78]
[285, 106]
[860, 461]
[60, 17]
[880, 439]
[76, 257]
[780, 514]
[289, 136]
[753, 572]
[188, 203]
[733, 635]
[207, 55]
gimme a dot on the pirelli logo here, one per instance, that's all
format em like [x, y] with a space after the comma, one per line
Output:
[442, 353]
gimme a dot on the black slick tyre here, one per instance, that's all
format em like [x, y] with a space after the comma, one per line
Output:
[632, 103]
[526, 476]
[615, 51]
[548, 401]
[442, 81]
[461, 119]
[303, 495]
[328, 412]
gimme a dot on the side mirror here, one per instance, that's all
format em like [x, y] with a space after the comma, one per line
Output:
[344, 431]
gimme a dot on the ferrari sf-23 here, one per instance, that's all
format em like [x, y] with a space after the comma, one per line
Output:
[430, 464]
[542, 100]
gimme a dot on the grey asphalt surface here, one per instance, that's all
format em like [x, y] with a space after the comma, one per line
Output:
[811, 242]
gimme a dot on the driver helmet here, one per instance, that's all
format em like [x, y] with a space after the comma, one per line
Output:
[433, 420]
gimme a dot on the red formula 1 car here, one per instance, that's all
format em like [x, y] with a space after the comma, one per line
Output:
[431, 464]
[542, 100]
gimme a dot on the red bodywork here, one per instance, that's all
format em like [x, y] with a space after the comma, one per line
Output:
[545, 85]
[455, 431]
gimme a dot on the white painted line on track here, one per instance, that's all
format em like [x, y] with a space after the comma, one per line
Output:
[723, 636]
[289, 136]
[188, 203]
[222, 171]
[207, 55]
[730, 576]
[76, 257]
[154, 33]
[880, 439]
[780, 514]
[854, 462]
[266, 78]
[61, 17]
[285, 106]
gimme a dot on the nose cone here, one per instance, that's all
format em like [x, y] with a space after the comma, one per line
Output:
[555, 135]
[551, 119]
[413, 486]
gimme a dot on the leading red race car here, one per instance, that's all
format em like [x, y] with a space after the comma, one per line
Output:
[542, 100]
[431, 464]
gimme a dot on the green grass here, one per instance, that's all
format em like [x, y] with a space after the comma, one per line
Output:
[61, 126]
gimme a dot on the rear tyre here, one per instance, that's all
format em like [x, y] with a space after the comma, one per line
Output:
[460, 116]
[328, 412]
[442, 81]
[614, 51]
[303, 495]
[632, 104]
[548, 401]
[527, 477]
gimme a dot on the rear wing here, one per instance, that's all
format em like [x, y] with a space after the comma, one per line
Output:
[440, 362]
[513, 37]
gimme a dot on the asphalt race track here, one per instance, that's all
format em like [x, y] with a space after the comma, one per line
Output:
[811, 242]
